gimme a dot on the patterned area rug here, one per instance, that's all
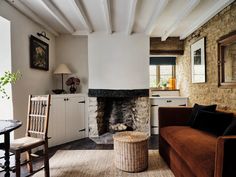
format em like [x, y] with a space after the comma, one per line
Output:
[100, 163]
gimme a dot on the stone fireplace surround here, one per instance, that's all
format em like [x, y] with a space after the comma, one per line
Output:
[115, 110]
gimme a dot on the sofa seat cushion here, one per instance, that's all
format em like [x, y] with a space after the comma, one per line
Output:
[195, 147]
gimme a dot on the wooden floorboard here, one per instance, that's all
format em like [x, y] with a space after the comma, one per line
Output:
[82, 144]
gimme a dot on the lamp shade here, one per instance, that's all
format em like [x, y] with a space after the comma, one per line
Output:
[62, 69]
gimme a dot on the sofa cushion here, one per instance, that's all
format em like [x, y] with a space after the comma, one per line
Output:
[198, 107]
[212, 122]
[195, 147]
[231, 129]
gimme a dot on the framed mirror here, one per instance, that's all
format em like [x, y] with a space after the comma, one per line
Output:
[198, 61]
[227, 60]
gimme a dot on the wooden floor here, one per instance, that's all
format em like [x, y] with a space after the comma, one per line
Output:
[83, 144]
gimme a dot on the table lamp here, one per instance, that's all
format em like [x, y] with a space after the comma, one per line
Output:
[62, 69]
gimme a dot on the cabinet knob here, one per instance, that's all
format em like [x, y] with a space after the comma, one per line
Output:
[169, 101]
[81, 102]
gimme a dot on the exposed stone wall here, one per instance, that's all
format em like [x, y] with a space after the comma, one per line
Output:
[138, 111]
[209, 92]
[92, 116]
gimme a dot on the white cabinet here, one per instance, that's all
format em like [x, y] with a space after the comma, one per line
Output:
[166, 92]
[157, 102]
[67, 118]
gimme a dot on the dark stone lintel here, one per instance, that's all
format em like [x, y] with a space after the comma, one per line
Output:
[118, 93]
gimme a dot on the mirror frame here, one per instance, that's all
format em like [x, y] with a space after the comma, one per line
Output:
[222, 43]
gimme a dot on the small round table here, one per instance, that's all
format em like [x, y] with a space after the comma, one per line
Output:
[6, 126]
[131, 151]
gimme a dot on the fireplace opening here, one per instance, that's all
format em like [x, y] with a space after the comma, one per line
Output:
[112, 111]
[116, 114]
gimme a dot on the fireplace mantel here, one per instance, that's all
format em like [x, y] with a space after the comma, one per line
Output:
[118, 93]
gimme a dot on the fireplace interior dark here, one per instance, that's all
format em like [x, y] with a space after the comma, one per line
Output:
[115, 114]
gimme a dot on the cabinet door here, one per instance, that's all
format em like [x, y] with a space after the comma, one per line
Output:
[57, 120]
[75, 118]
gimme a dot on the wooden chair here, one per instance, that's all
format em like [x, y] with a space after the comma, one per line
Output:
[36, 134]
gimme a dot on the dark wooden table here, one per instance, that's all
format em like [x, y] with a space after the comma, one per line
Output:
[6, 126]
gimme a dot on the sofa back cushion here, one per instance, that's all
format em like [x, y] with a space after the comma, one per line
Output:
[197, 108]
[231, 129]
[212, 122]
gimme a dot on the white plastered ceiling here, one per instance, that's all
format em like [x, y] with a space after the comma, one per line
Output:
[156, 18]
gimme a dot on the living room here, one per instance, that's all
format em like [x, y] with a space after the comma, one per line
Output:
[108, 58]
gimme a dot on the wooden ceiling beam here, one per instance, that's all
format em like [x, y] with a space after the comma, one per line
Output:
[57, 15]
[107, 14]
[79, 10]
[172, 46]
[20, 6]
[131, 19]
[183, 13]
[160, 6]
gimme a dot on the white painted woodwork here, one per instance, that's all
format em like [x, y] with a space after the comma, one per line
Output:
[75, 118]
[156, 18]
[57, 15]
[183, 13]
[67, 117]
[160, 6]
[165, 93]
[57, 121]
[30, 14]
[80, 12]
[131, 19]
[81, 33]
[107, 15]
[165, 101]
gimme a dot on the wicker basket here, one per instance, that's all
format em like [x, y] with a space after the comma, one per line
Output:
[131, 151]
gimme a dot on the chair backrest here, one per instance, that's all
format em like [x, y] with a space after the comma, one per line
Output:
[38, 115]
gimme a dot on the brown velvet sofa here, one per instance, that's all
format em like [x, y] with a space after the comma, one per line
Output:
[194, 153]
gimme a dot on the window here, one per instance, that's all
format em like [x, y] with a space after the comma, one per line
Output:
[160, 74]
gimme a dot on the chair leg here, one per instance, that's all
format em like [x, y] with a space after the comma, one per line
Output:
[46, 160]
[17, 163]
[29, 165]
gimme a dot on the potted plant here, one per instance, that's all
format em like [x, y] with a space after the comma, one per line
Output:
[163, 84]
[73, 82]
[7, 78]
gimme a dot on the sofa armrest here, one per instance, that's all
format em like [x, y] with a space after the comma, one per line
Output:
[174, 116]
[225, 159]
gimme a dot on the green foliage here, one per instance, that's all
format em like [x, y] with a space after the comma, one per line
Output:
[163, 83]
[8, 78]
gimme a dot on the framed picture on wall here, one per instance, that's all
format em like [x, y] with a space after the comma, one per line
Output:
[198, 61]
[38, 54]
